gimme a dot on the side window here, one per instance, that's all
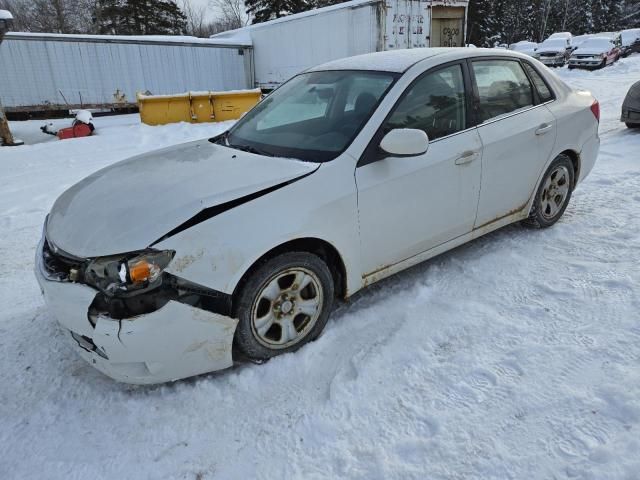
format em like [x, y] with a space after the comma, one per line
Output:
[543, 90]
[503, 87]
[435, 104]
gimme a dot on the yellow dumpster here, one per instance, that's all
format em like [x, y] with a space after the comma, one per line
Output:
[196, 107]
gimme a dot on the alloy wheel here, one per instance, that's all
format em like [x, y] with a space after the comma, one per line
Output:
[286, 308]
[554, 192]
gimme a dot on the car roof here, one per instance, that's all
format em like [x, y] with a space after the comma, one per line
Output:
[400, 61]
[599, 39]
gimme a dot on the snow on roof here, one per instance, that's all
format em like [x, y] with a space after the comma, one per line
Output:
[240, 35]
[125, 38]
[5, 15]
[589, 42]
[199, 93]
[295, 16]
[389, 61]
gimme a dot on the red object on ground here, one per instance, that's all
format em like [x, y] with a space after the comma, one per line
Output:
[78, 130]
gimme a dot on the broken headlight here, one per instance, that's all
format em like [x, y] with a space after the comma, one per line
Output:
[123, 274]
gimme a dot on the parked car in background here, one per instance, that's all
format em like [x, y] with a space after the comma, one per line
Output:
[524, 46]
[631, 107]
[554, 52]
[211, 259]
[563, 36]
[630, 41]
[597, 52]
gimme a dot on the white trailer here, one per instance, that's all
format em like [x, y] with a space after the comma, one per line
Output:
[289, 45]
[43, 72]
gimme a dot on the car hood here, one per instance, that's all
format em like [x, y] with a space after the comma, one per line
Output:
[131, 204]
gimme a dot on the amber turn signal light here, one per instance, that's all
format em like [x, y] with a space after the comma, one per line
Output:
[140, 271]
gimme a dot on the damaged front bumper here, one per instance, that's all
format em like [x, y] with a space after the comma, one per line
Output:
[176, 341]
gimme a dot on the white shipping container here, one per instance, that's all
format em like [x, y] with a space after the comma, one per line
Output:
[60, 72]
[289, 45]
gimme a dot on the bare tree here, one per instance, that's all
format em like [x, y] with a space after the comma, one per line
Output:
[225, 15]
[52, 16]
[18, 9]
[232, 13]
[197, 24]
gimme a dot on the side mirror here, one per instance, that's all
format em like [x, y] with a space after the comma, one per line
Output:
[405, 142]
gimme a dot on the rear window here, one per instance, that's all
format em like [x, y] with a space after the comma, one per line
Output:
[544, 92]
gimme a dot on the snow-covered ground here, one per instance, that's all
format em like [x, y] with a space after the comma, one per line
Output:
[514, 357]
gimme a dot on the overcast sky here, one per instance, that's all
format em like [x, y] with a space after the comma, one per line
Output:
[205, 3]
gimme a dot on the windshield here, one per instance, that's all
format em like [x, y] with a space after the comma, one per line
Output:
[313, 117]
[602, 44]
[556, 43]
[524, 46]
[630, 36]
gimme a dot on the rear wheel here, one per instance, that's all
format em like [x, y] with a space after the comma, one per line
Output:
[553, 195]
[632, 125]
[284, 304]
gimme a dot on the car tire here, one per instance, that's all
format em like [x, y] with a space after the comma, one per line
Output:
[553, 195]
[632, 125]
[275, 315]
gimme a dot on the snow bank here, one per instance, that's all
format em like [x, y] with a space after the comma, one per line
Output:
[515, 356]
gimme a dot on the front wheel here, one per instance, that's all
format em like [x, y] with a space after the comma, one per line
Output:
[553, 195]
[284, 304]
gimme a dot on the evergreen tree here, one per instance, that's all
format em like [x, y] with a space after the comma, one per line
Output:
[607, 15]
[140, 17]
[507, 21]
[263, 10]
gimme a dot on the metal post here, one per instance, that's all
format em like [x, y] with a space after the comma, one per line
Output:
[5, 134]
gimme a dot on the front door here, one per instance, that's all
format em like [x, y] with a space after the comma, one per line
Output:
[517, 137]
[408, 205]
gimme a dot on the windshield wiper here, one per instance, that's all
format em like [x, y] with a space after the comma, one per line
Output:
[250, 149]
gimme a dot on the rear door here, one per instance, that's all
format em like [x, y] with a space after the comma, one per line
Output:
[517, 132]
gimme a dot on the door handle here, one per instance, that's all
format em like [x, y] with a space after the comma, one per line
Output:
[466, 157]
[544, 128]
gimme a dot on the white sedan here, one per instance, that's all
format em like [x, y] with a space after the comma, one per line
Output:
[174, 263]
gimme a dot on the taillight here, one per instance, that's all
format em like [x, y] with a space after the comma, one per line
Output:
[595, 109]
